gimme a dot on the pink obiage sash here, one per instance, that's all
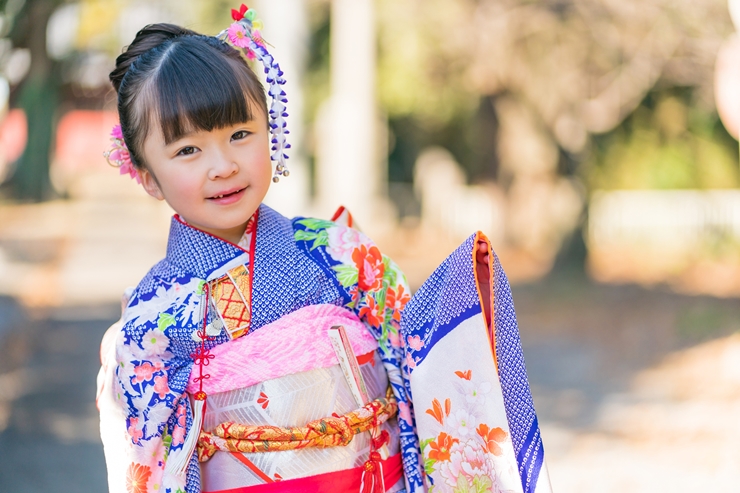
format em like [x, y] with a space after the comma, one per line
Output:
[347, 481]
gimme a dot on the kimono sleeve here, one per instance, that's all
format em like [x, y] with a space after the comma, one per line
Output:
[147, 408]
[112, 416]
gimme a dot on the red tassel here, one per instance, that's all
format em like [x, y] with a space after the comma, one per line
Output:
[372, 476]
[381, 440]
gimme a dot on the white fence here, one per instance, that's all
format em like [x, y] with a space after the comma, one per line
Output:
[676, 219]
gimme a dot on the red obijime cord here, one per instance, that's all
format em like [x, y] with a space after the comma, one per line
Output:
[201, 357]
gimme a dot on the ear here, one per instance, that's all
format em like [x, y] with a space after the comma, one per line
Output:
[150, 184]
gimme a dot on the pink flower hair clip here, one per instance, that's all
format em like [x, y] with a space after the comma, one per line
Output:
[239, 33]
[118, 155]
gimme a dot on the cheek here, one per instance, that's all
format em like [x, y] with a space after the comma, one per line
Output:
[261, 158]
[181, 187]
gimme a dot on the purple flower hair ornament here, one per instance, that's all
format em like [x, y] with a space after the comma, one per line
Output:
[118, 155]
[244, 34]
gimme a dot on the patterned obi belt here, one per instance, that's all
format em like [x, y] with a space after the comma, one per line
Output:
[281, 412]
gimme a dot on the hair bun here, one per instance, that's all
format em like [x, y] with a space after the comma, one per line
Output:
[149, 37]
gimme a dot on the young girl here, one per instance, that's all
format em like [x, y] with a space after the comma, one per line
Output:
[264, 354]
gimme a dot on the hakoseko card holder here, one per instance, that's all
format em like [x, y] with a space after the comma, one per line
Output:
[231, 294]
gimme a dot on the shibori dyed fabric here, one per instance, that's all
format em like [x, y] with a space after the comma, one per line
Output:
[474, 418]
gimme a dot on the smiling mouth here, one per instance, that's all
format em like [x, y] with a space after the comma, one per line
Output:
[215, 197]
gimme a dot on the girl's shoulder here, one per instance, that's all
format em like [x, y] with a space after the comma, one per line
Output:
[346, 252]
[164, 284]
[335, 241]
[342, 218]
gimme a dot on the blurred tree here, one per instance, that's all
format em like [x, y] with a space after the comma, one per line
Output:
[666, 143]
[580, 67]
[37, 95]
[546, 96]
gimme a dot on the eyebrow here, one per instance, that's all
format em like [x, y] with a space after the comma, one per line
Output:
[180, 137]
[183, 136]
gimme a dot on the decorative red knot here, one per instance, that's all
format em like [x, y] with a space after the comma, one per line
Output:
[369, 466]
[200, 396]
[201, 378]
[201, 357]
[381, 440]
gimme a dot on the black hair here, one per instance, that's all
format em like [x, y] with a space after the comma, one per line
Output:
[182, 81]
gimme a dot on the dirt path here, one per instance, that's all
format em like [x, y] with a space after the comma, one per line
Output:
[637, 390]
[48, 421]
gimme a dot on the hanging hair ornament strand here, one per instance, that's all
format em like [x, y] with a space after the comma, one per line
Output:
[244, 34]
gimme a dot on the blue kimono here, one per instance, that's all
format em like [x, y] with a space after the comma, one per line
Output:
[472, 425]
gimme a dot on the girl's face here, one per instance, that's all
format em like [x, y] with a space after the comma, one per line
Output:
[214, 180]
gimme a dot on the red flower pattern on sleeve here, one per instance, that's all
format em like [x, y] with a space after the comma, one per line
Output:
[370, 313]
[397, 300]
[370, 267]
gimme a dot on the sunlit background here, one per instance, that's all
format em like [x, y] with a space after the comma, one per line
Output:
[593, 141]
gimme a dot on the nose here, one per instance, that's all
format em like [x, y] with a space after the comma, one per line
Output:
[223, 166]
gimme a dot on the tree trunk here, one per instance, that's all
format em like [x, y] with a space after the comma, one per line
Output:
[38, 97]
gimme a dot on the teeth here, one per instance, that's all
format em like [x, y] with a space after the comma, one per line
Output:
[223, 195]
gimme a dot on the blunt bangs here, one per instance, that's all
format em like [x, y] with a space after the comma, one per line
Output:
[197, 88]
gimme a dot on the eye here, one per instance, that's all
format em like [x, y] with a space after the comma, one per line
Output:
[241, 134]
[186, 151]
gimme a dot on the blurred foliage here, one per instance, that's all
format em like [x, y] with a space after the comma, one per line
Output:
[703, 320]
[666, 143]
[422, 64]
[97, 25]
[469, 135]
[317, 87]
[423, 89]
[623, 89]
[421, 86]
[593, 73]
[108, 24]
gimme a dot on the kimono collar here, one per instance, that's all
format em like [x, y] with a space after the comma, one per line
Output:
[204, 255]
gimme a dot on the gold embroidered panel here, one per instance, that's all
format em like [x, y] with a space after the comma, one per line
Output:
[232, 295]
